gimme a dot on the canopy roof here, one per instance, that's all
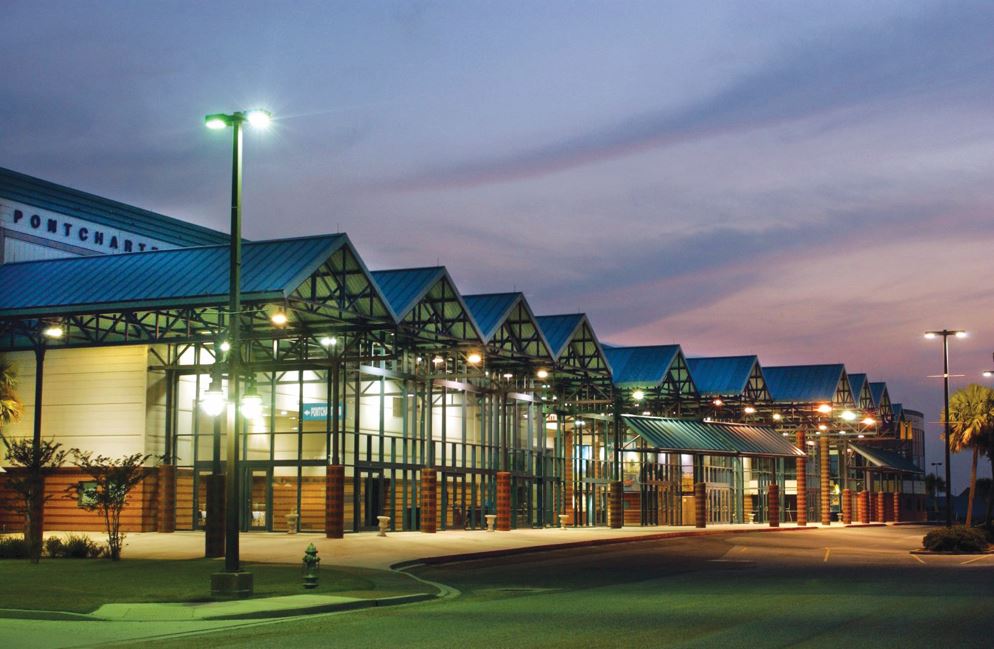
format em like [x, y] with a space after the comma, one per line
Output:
[427, 300]
[646, 366]
[808, 383]
[879, 391]
[710, 438]
[861, 393]
[271, 270]
[724, 375]
[72, 202]
[573, 342]
[885, 459]
[508, 324]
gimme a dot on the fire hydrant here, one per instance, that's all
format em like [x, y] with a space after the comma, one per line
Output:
[311, 562]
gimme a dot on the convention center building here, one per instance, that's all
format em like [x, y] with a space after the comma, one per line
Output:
[388, 392]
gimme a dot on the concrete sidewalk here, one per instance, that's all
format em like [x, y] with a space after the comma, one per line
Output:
[367, 550]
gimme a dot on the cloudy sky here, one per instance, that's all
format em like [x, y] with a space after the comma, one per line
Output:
[811, 182]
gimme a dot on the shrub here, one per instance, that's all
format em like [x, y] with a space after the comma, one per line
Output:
[13, 547]
[955, 539]
[54, 547]
[79, 546]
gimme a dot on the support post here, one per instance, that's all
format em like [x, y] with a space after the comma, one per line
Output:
[214, 527]
[878, 513]
[802, 481]
[429, 501]
[334, 511]
[167, 498]
[616, 505]
[700, 505]
[864, 507]
[897, 507]
[773, 504]
[826, 499]
[846, 507]
[503, 501]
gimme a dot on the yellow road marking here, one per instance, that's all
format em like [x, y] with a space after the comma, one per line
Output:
[983, 556]
[918, 559]
[827, 552]
[743, 548]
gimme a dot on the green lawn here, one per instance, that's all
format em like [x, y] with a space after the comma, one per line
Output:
[82, 585]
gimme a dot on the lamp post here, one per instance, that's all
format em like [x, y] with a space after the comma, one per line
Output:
[946, 333]
[230, 582]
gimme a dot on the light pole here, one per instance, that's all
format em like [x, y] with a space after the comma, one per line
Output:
[946, 333]
[233, 581]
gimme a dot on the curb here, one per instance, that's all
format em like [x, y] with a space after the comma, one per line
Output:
[490, 554]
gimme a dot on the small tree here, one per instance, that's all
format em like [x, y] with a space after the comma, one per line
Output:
[114, 479]
[28, 482]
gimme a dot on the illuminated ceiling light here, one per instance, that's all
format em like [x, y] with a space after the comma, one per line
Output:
[869, 421]
[328, 341]
[638, 395]
[861, 436]
[259, 118]
[848, 415]
[784, 434]
[474, 358]
[646, 413]
[718, 402]
[822, 427]
[279, 319]
[542, 374]
[251, 405]
[225, 346]
[54, 331]
[777, 416]
[749, 410]
[437, 360]
[508, 375]
[212, 402]
[824, 409]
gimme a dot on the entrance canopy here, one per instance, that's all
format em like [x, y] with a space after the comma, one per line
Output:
[885, 460]
[710, 438]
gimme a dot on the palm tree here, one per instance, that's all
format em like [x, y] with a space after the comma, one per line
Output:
[971, 422]
[10, 405]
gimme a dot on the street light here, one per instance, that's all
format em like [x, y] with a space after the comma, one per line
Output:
[946, 333]
[258, 118]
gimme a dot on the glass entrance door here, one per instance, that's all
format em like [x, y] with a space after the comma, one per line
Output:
[257, 486]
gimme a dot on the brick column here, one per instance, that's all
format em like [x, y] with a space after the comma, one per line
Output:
[802, 482]
[616, 505]
[878, 510]
[773, 504]
[214, 528]
[503, 501]
[334, 501]
[864, 507]
[167, 498]
[823, 478]
[700, 504]
[897, 506]
[846, 507]
[429, 501]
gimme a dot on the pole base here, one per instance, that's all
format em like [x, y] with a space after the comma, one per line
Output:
[231, 585]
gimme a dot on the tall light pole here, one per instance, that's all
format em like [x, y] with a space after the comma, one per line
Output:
[946, 333]
[232, 564]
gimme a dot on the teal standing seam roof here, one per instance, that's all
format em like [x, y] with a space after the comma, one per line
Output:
[898, 411]
[73, 202]
[559, 329]
[490, 310]
[710, 438]
[877, 390]
[803, 383]
[175, 277]
[885, 459]
[403, 288]
[645, 365]
[721, 375]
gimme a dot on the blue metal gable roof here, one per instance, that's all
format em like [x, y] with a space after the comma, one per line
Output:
[647, 365]
[803, 383]
[721, 375]
[403, 288]
[898, 410]
[559, 329]
[163, 277]
[877, 390]
[490, 310]
[72, 202]
[856, 383]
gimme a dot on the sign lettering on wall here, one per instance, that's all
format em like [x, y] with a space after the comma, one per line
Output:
[73, 231]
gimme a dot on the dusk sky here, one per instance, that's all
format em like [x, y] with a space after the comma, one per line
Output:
[809, 182]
